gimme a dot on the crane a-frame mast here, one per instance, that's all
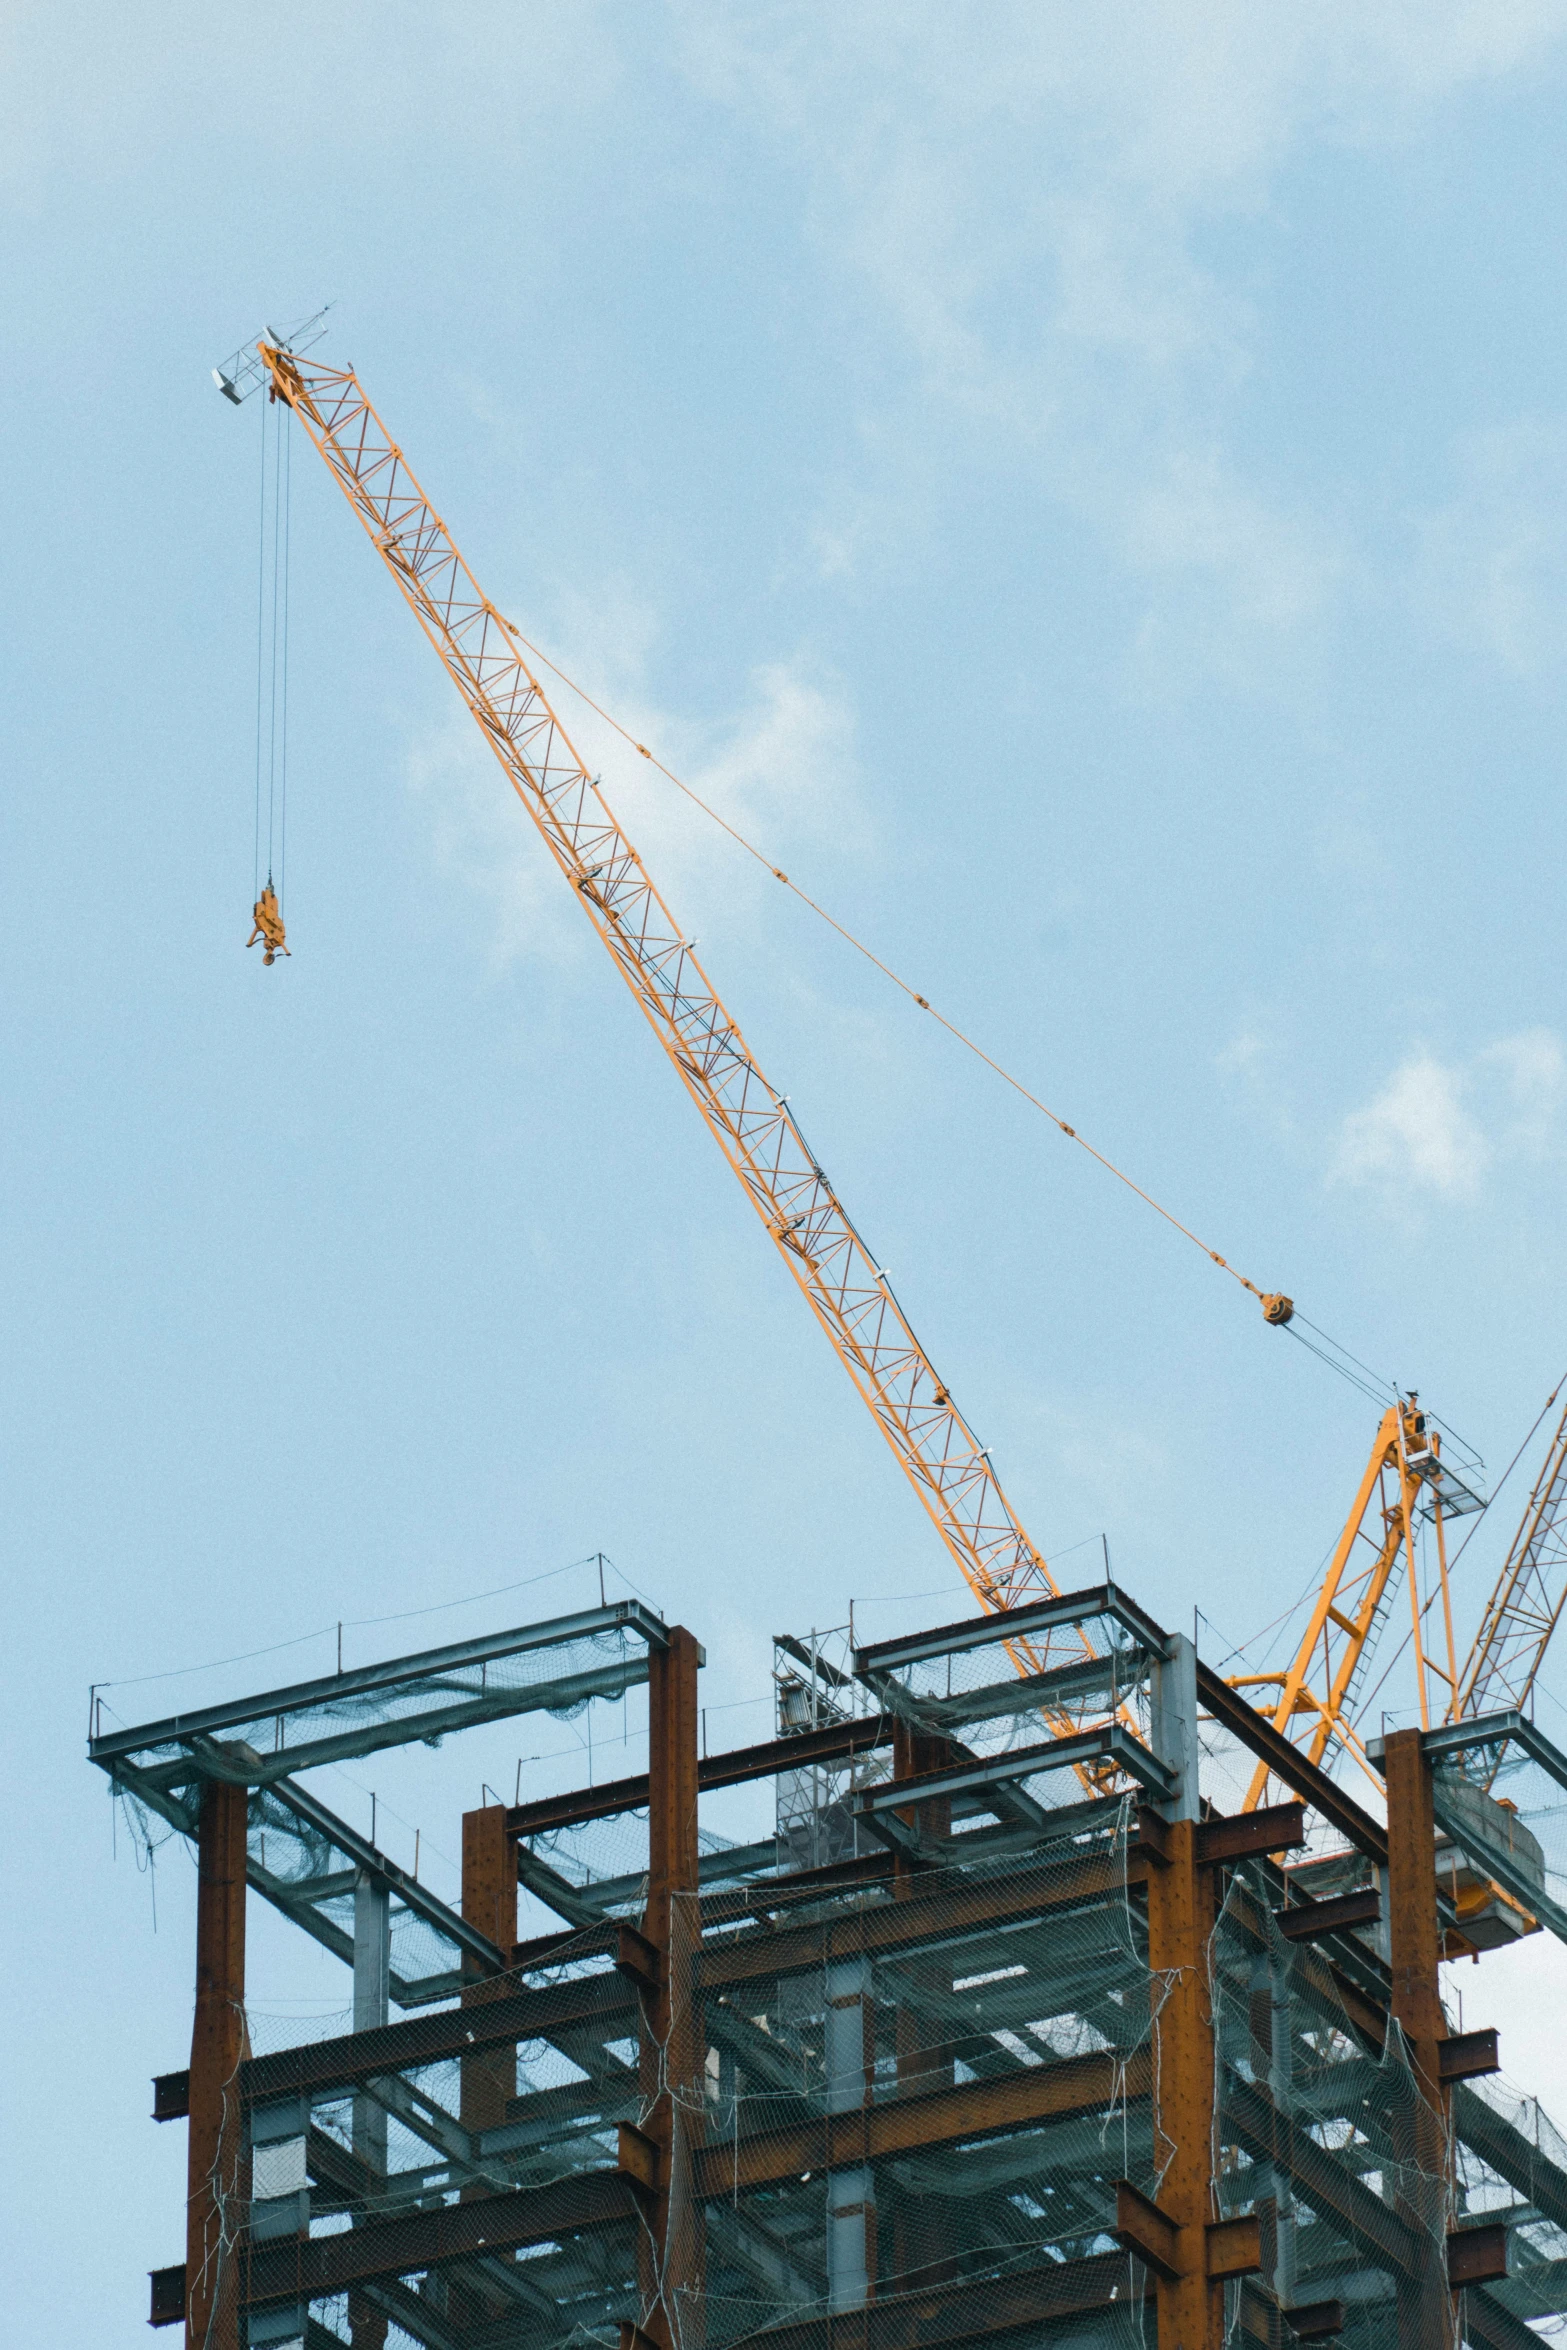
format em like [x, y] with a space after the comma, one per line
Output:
[752, 1123]
[1406, 1478]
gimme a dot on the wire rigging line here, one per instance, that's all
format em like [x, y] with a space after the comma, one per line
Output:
[273, 575]
[277, 531]
[261, 623]
[1338, 1358]
[860, 948]
[285, 419]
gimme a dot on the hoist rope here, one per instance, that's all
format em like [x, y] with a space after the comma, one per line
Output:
[286, 437]
[272, 602]
[860, 948]
[261, 626]
[1338, 1358]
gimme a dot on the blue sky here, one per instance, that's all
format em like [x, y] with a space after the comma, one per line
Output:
[1085, 489]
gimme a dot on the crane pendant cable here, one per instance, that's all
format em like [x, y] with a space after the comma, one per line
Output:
[371, 477]
[1277, 1309]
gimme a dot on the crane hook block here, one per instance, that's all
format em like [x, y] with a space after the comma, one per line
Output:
[1278, 1308]
[269, 925]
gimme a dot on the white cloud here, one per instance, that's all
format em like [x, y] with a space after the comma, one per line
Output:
[1416, 1130]
[782, 770]
[1441, 1127]
[1492, 568]
[1532, 1073]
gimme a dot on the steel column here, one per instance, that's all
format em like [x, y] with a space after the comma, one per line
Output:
[367, 2324]
[921, 2226]
[670, 2262]
[218, 2047]
[489, 1901]
[1425, 2309]
[489, 2076]
[1180, 1922]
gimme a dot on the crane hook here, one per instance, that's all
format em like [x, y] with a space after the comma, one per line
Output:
[269, 925]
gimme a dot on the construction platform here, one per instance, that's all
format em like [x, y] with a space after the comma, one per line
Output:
[1016, 2029]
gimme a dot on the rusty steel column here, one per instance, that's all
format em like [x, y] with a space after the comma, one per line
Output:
[1423, 2143]
[670, 2247]
[488, 2077]
[1180, 1921]
[1180, 1925]
[922, 2229]
[489, 1901]
[214, 2217]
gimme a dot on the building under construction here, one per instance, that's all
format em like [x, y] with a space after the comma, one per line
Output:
[1018, 2029]
[1067, 1999]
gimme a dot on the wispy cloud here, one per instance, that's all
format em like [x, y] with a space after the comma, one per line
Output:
[1441, 1127]
[1492, 562]
[1024, 191]
[781, 768]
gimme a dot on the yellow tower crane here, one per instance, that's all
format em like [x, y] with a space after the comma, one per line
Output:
[849, 1293]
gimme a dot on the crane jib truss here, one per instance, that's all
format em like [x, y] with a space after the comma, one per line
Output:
[752, 1124]
[1524, 1608]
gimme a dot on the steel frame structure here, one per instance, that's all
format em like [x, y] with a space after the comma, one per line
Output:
[683, 2168]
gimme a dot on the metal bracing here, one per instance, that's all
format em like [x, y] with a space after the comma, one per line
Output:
[1522, 1612]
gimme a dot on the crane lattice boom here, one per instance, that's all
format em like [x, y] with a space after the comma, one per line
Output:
[1521, 1613]
[753, 1126]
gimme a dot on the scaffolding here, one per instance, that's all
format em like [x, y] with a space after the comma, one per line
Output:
[1017, 2030]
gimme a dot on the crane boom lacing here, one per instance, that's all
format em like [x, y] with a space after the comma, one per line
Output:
[752, 1123]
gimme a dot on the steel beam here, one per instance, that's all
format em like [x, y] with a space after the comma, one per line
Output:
[1112, 1742]
[952, 1914]
[832, 2141]
[600, 2003]
[1286, 1762]
[489, 1906]
[428, 1664]
[730, 1769]
[1017, 1623]
[973, 2309]
[313, 2267]
[480, 1949]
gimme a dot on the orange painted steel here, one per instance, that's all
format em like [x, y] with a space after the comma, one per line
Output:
[1315, 1704]
[752, 1123]
[670, 2245]
[1180, 1922]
